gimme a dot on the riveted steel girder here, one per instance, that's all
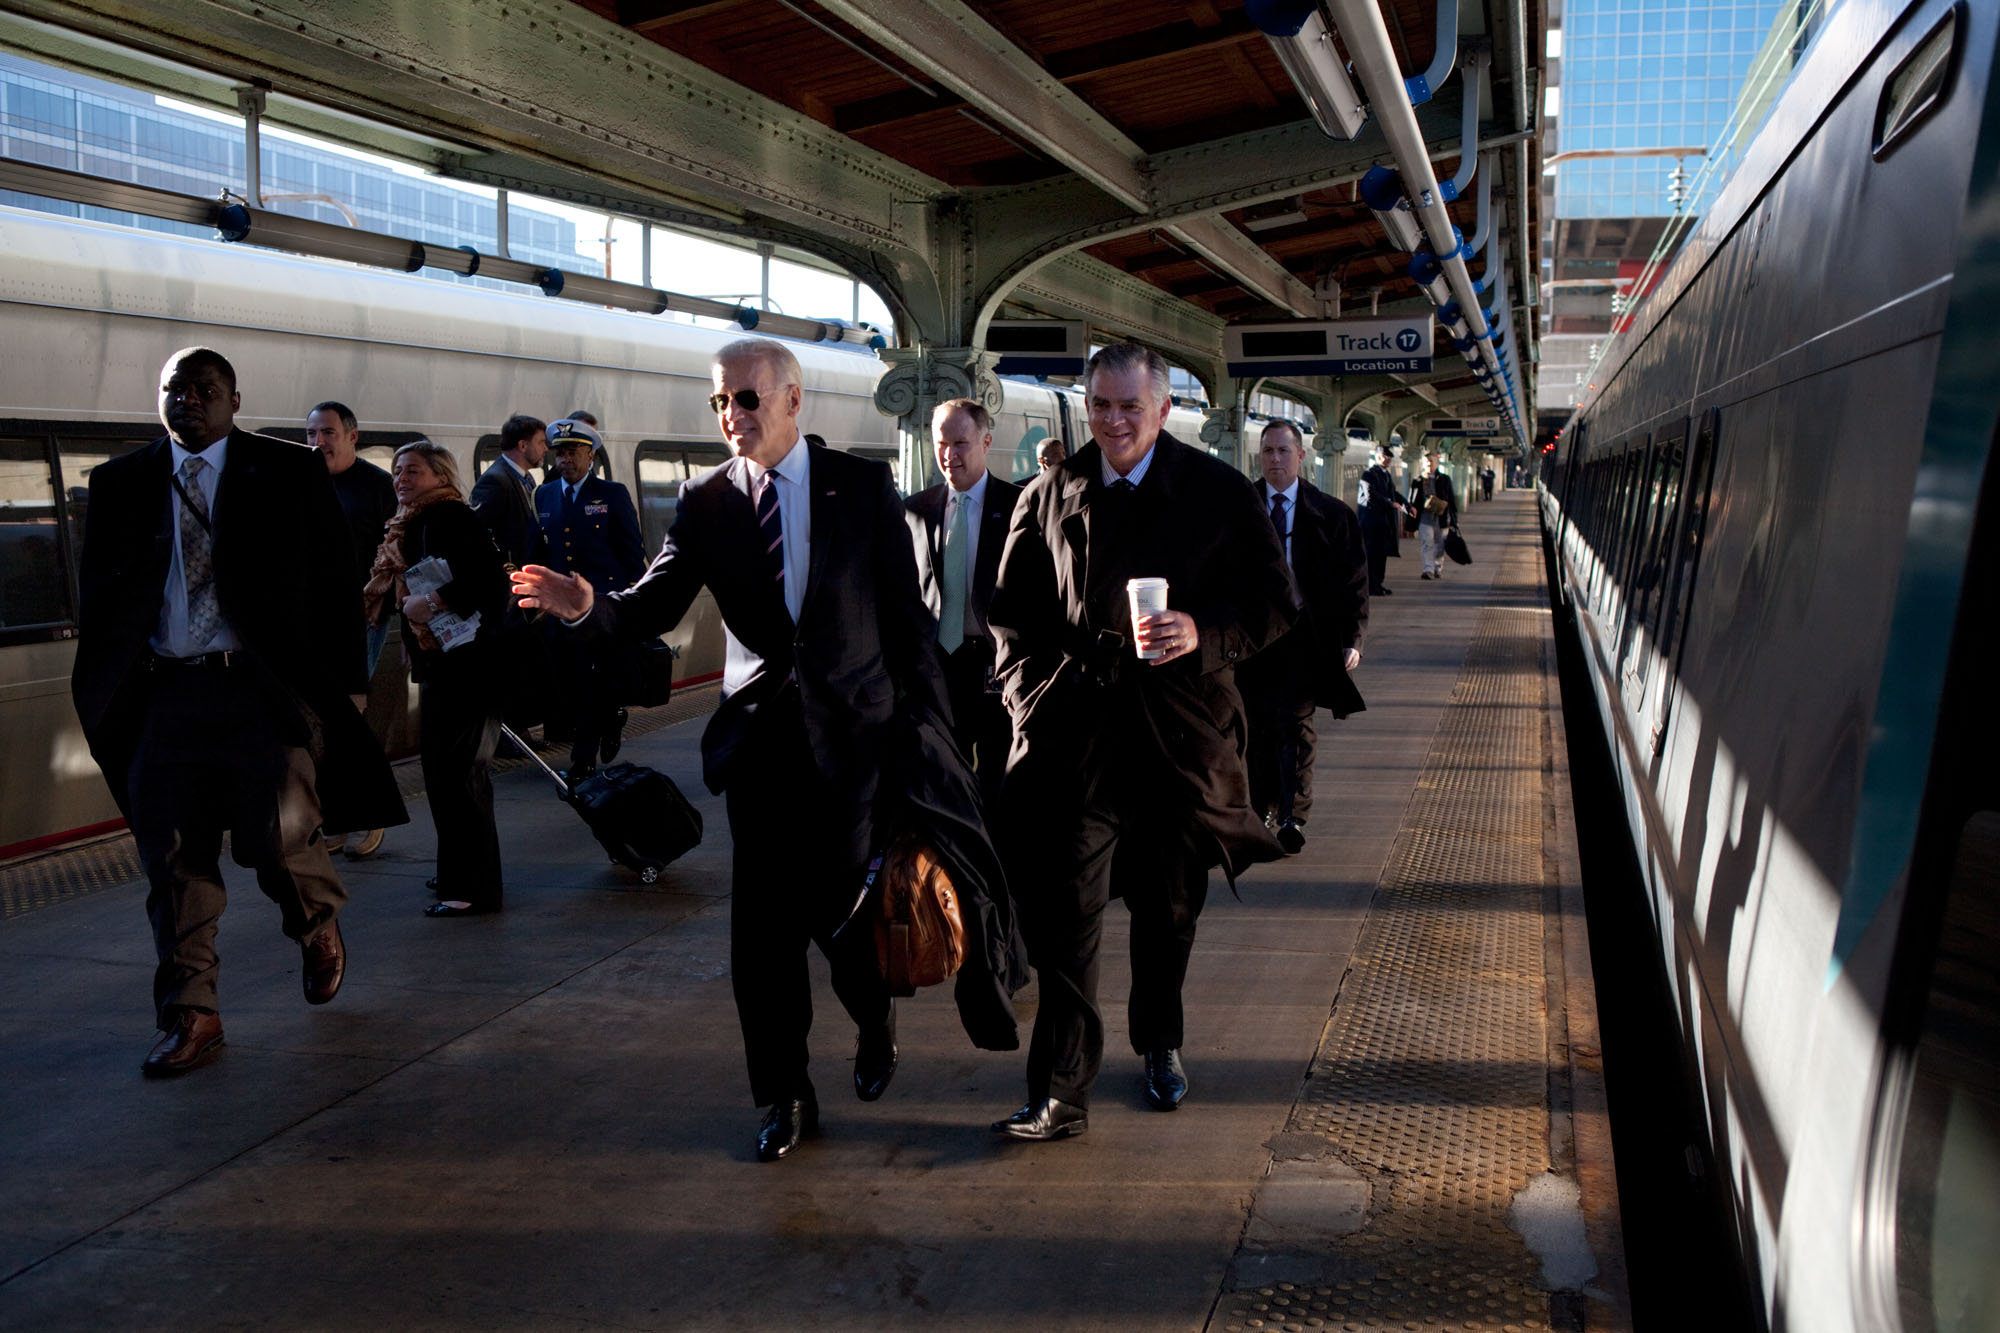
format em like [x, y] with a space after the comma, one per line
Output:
[541, 81]
[1075, 286]
[953, 45]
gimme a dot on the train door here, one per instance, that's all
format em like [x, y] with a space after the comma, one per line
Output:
[661, 467]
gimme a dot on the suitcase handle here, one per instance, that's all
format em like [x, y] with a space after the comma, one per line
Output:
[541, 763]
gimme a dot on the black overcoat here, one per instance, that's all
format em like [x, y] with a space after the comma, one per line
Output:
[1330, 574]
[1197, 523]
[284, 576]
[1381, 520]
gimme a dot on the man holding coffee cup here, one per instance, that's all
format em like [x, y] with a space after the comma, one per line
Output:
[1137, 575]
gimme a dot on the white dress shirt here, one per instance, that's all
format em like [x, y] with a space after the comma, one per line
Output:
[1291, 494]
[173, 638]
[794, 473]
[1135, 476]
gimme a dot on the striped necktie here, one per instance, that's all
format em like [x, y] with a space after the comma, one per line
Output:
[771, 523]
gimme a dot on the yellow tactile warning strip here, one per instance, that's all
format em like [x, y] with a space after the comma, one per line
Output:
[1429, 1098]
[71, 872]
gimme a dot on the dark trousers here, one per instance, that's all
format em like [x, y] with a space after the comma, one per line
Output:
[459, 729]
[593, 676]
[212, 756]
[1122, 841]
[1277, 697]
[980, 723]
[799, 855]
[1378, 539]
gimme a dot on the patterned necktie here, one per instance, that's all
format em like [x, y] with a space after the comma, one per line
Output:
[1278, 522]
[772, 524]
[951, 620]
[197, 556]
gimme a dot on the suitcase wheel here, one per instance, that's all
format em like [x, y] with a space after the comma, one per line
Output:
[649, 875]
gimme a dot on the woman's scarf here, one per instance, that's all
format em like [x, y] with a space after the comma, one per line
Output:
[387, 589]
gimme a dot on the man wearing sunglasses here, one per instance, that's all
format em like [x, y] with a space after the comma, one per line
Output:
[810, 563]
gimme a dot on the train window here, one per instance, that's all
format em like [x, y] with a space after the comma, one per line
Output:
[1649, 564]
[1918, 87]
[80, 455]
[663, 465]
[1677, 596]
[33, 587]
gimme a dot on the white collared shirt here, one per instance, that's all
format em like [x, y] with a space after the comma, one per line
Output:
[976, 498]
[1291, 494]
[794, 484]
[172, 638]
[1135, 476]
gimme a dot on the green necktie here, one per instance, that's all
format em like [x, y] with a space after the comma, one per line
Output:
[951, 622]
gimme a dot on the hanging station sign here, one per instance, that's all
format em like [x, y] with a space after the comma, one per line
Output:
[1039, 346]
[1329, 347]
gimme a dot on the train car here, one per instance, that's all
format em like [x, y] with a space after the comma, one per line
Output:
[1773, 529]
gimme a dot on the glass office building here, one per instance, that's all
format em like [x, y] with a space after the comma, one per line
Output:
[59, 119]
[1650, 74]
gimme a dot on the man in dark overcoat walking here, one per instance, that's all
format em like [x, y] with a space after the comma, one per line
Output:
[1126, 777]
[220, 672]
[1382, 509]
[1308, 668]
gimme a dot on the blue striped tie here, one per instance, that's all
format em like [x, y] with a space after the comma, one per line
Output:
[773, 526]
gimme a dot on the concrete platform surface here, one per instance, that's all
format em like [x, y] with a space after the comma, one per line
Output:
[540, 1119]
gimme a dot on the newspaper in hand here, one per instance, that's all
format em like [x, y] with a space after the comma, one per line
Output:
[449, 628]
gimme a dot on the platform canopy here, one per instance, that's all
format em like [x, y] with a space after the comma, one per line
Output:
[1147, 166]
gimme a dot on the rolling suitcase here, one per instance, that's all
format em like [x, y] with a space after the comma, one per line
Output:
[636, 813]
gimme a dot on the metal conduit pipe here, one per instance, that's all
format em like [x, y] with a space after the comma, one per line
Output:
[1468, 129]
[1360, 24]
[1421, 86]
[235, 220]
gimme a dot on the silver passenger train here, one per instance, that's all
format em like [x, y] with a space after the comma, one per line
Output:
[1774, 525]
[92, 311]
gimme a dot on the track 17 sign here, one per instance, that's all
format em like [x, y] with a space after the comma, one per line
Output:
[1328, 347]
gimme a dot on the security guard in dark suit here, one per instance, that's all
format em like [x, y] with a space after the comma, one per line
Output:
[592, 529]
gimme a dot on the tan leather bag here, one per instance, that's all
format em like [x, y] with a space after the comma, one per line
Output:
[919, 926]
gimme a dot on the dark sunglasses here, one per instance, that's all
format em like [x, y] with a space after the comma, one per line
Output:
[746, 399]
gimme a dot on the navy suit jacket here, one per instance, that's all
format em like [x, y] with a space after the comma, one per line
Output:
[600, 540]
[503, 502]
[925, 512]
[284, 575]
[862, 637]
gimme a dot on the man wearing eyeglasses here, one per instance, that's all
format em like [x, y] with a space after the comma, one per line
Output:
[808, 558]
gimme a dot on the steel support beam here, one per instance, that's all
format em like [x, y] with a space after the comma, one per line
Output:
[952, 45]
[1215, 240]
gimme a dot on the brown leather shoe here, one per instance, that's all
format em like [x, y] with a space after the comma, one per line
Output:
[325, 964]
[193, 1040]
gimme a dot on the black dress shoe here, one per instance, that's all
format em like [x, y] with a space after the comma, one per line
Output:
[577, 773]
[1046, 1119]
[194, 1039]
[1292, 837]
[460, 907]
[325, 964]
[785, 1124]
[1166, 1081]
[874, 1063]
[1382, 592]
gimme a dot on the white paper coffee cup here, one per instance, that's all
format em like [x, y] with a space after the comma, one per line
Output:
[1148, 598]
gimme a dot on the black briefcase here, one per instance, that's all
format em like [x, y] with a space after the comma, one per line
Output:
[653, 675]
[1454, 549]
[636, 813]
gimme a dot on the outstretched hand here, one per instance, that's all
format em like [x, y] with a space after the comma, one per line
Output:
[566, 596]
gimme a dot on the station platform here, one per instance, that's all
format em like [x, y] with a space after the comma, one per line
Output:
[541, 1119]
